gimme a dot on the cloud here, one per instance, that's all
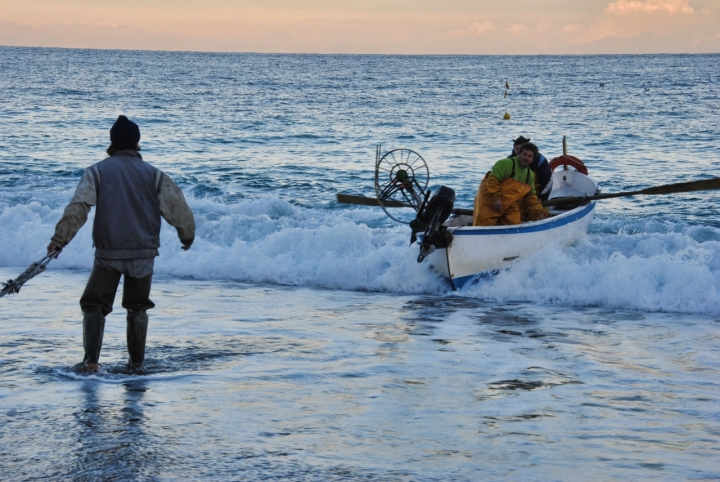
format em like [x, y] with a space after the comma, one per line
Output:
[482, 27]
[477, 28]
[661, 20]
[466, 27]
[646, 6]
[573, 29]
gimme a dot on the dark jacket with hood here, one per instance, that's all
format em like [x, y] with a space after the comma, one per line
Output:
[543, 175]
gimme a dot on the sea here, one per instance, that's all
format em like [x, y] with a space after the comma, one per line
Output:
[299, 339]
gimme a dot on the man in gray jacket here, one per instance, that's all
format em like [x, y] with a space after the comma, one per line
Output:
[130, 197]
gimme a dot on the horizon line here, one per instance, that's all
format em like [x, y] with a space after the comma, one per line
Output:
[232, 52]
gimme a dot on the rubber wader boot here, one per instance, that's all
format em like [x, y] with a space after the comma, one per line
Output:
[137, 323]
[93, 328]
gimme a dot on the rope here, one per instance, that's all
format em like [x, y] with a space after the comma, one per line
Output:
[13, 286]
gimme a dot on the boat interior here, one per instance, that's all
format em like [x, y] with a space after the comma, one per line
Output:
[566, 183]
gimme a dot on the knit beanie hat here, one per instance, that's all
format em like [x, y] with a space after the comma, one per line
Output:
[124, 133]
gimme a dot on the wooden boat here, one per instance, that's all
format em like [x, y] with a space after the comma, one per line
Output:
[475, 250]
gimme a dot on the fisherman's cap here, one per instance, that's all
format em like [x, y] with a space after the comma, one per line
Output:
[520, 140]
[124, 133]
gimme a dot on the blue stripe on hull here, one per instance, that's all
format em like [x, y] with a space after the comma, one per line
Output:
[527, 228]
[459, 283]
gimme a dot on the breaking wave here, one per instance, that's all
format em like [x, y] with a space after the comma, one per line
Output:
[643, 270]
[638, 265]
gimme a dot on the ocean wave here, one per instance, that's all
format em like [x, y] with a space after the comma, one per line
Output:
[644, 265]
[645, 271]
[265, 240]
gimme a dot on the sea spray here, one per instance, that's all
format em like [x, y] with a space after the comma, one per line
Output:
[645, 265]
[641, 271]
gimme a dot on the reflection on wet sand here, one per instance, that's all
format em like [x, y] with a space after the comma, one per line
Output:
[111, 435]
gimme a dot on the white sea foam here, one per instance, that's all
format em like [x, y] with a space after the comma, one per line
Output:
[119, 378]
[262, 240]
[646, 266]
[670, 271]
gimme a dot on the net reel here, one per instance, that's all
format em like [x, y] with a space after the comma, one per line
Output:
[401, 175]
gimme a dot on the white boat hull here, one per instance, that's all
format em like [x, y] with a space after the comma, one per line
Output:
[478, 249]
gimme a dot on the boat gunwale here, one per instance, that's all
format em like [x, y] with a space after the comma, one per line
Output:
[534, 226]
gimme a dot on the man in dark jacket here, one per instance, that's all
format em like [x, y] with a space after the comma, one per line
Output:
[130, 196]
[540, 166]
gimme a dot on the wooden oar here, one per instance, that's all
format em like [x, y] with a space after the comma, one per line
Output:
[369, 201]
[704, 185]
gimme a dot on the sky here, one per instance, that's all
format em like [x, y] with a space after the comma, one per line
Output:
[496, 27]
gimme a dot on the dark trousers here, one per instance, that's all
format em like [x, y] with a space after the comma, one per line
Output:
[97, 301]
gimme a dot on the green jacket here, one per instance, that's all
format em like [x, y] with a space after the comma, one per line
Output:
[504, 169]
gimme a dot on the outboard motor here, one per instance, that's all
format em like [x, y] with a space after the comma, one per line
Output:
[434, 211]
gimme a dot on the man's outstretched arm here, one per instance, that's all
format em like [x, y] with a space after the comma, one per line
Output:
[75, 214]
[176, 211]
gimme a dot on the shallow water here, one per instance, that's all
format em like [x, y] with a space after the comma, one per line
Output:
[266, 382]
[298, 339]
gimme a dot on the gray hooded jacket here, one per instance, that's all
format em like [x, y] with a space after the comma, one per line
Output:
[130, 196]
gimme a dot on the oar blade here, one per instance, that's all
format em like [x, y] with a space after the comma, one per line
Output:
[704, 185]
[368, 201]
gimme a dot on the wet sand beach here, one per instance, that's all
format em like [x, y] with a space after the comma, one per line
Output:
[262, 381]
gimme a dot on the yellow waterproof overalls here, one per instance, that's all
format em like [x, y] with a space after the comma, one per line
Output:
[511, 194]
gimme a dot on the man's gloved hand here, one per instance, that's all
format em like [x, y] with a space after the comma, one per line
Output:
[497, 206]
[54, 247]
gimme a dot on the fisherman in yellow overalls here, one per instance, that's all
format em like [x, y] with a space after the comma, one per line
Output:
[510, 184]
